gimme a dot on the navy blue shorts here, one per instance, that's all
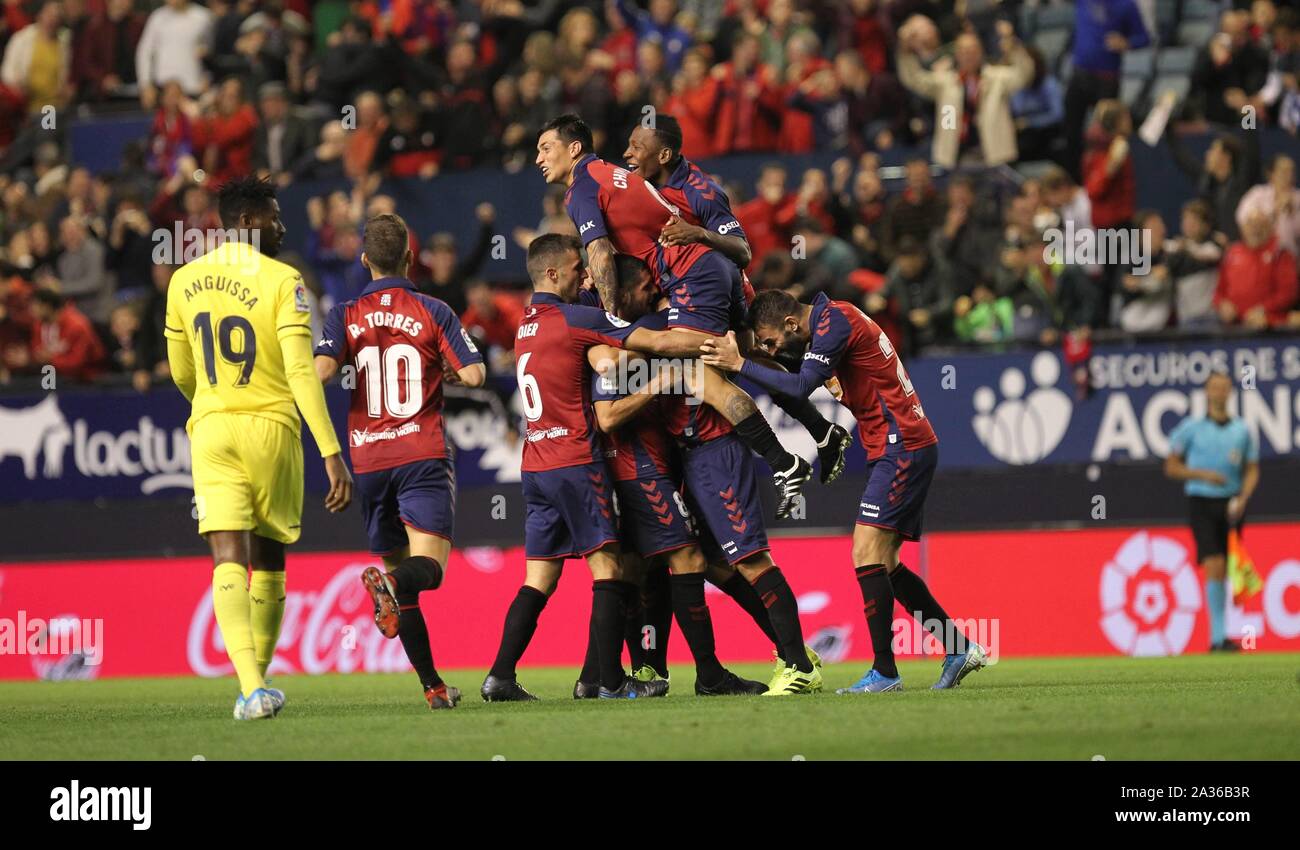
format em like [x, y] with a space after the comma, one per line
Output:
[722, 492]
[709, 297]
[894, 498]
[652, 516]
[570, 511]
[421, 494]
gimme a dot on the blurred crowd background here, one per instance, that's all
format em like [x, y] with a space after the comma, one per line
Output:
[933, 220]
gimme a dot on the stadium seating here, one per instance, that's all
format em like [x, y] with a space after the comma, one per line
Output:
[1195, 33]
[1053, 44]
[1176, 83]
[1139, 63]
[1201, 10]
[1055, 17]
[1175, 61]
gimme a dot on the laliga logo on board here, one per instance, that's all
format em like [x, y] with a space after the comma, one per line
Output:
[1149, 596]
[1024, 430]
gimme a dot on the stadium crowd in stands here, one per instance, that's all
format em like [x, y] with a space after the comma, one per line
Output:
[449, 85]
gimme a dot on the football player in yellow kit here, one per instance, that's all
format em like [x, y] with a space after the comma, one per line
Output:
[238, 334]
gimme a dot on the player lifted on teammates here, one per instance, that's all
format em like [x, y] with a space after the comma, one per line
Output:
[568, 493]
[836, 338]
[400, 342]
[720, 487]
[704, 217]
[615, 210]
[238, 334]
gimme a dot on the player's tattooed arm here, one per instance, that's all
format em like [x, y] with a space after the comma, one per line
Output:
[600, 263]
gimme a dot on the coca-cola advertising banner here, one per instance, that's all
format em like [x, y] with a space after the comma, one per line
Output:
[1035, 593]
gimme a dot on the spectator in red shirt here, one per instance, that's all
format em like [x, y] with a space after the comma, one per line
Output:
[619, 47]
[362, 142]
[103, 52]
[181, 199]
[1257, 280]
[1108, 166]
[172, 134]
[64, 338]
[917, 212]
[863, 30]
[762, 217]
[15, 325]
[812, 201]
[492, 317]
[803, 63]
[749, 117]
[409, 147]
[694, 103]
[223, 142]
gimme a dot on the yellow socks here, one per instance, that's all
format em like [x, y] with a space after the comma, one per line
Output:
[266, 592]
[231, 604]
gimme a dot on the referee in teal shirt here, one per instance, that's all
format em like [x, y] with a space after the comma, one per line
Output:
[1219, 460]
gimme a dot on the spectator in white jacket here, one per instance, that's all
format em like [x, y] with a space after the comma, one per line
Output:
[972, 97]
[1279, 200]
[36, 60]
[175, 40]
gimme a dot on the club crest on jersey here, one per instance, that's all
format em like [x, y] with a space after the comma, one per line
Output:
[386, 300]
[300, 298]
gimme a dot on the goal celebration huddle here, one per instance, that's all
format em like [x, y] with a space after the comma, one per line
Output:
[653, 483]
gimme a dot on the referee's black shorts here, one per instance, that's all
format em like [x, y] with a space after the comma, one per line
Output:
[1210, 526]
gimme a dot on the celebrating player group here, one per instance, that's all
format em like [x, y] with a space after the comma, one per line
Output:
[654, 485]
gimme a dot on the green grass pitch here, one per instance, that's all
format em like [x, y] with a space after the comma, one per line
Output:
[1194, 707]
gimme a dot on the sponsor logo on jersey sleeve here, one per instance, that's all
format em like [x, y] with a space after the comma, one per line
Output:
[469, 343]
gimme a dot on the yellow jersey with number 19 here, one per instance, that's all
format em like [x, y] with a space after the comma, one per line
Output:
[232, 306]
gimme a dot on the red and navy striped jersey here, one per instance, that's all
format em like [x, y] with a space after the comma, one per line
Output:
[555, 379]
[701, 200]
[607, 200]
[397, 339]
[849, 345]
[641, 448]
[686, 418]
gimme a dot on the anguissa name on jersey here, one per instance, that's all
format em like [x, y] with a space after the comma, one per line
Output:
[224, 285]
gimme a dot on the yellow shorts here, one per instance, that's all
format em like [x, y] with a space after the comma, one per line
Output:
[247, 476]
